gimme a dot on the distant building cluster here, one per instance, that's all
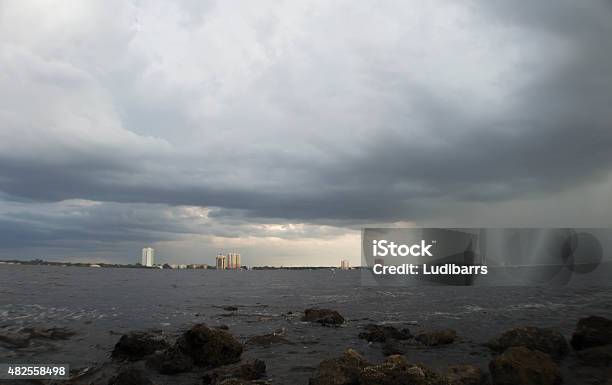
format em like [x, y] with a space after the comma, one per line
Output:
[344, 264]
[148, 257]
[228, 261]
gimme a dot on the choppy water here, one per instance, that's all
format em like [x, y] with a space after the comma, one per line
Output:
[100, 304]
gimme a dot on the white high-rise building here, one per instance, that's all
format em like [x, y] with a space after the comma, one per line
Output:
[148, 254]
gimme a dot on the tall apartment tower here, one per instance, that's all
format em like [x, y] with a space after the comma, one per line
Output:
[221, 262]
[233, 261]
[148, 255]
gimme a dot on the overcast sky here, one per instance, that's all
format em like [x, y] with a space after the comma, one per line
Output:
[279, 128]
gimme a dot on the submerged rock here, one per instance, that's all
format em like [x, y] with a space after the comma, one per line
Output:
[522, 366]
[592, 331]
[465, 375]
[249, 371]
[323, 316]
[129, 375]
[267, 340]
[437, 337]
[136, 345]
[382, 333]
[345, 370]
[209, 347]
[546, 340]
[16, 338]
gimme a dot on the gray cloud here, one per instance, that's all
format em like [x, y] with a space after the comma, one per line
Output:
[333, 116]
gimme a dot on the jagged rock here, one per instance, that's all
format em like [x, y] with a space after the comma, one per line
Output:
[598, 356]
[546, 340]
[136, 345]
[323, 316]
[345, 370]
[209, 347]
[249, 371]
[465, 375]
[130, 375]
[267, 340]
[522, 366]
[396, 370]
[437, 337]
[382, 333]
[592, 331]
[170, 361]
[352, 369]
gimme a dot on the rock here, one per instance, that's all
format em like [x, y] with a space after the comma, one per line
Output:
[393, 347]
[546, 340]
[267, 340]
[323, 316]
[11, 340]
[465, 375]
[249, 371]
[396, 370]
[345, 370]
[136, 345]
[598, 356]
[222, 327]
[170, 361]
[16, 338]
[522, 366]
[50, 333]
[130, 375]
[382, 333]
[592, 331]
[230, 308]
[437, 337]
[209, 347]
[353, 369]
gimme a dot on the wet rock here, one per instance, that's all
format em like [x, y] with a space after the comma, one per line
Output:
[170, 361]
[323, 316]
[345, 370]
[546, 340]
[230, 308]
[598, 356]
[393, 347]
[136, 345]
[50, 333]
[396, 370]
[523, 366]
[11, 339]
[267, 340]
[437, 337]
[465, 375]
[592, 331]
[249, 371]
[382, 333]
[130, 375]
[16, 338]
[209, 347]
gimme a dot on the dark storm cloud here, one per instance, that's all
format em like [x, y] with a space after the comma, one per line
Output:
[321, 123]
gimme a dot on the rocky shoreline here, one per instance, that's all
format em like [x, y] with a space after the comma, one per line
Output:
[203, 355]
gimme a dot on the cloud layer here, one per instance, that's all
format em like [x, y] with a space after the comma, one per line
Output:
[272, 126]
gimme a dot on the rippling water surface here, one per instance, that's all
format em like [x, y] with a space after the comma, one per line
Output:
[101, 303]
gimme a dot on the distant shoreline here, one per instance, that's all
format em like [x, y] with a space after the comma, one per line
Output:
[40, 262]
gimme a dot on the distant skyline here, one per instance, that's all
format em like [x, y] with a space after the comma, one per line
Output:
[280, 129]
